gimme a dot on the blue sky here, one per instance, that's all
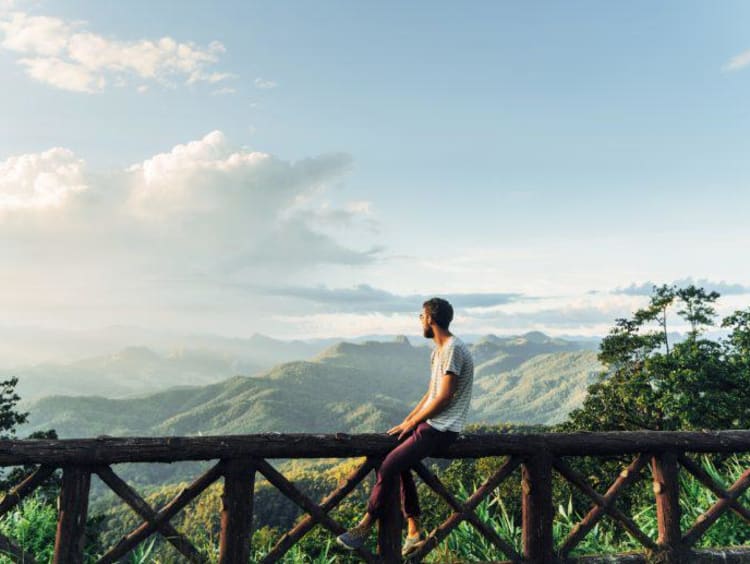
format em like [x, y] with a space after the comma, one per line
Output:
[542, 150]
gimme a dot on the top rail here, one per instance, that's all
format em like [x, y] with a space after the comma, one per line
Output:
[110, 450]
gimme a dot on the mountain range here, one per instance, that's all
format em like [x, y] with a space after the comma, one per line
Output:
[349, 387]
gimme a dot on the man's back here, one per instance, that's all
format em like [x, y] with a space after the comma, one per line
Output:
[454, 356]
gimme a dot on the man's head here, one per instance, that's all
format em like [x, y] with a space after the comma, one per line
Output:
[436, 312]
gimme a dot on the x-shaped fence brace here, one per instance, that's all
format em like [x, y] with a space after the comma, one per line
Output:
[317, 514]
[603, 505]
[465, 511]
[157, 520]
[727, 499]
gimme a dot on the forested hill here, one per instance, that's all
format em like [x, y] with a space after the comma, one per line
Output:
[365, 387]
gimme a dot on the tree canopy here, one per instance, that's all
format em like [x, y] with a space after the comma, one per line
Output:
[655, 382]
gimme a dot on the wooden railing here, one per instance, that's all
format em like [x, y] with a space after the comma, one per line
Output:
[240, 457]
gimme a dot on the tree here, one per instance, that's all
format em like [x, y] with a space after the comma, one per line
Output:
[696, 383]
[10, 417]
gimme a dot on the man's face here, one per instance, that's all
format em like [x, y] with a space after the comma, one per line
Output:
[426, 328]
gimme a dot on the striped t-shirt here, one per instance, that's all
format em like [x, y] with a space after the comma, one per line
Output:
[454, 356]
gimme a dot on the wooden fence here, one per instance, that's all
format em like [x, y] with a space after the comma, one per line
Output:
[240, 457]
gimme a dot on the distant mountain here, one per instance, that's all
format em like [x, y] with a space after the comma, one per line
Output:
[349, 387]
[171, 361]
[29, 346]
[541, 390]
[131, 371]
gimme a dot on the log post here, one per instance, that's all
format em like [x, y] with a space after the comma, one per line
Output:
[72, 510]
[237, 512]
[537, 509]
[390, 525]
[665, 472]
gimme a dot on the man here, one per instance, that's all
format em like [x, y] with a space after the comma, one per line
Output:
[435, 422]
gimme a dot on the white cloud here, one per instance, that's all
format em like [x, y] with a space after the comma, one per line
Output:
[237, 206]
[265, 84]
[205, 214]
[223, 91]
[40, 180]
[63, 75]
[738, 61]
[65, 55]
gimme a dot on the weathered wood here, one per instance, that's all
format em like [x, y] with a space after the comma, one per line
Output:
[665, 470]
[78, 456]
[390, 525]
[536, 508]
[736, 555]
[71, 521]
[717, 509]
[237, 511]
[143, 531]
[291, 491]
[718, 490]
[329, 503]
[437, 486]
[110, 450]
[442, 531]
[139, 505]
[28, 485]
[604, 504]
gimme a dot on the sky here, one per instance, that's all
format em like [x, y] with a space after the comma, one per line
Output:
[308, 170]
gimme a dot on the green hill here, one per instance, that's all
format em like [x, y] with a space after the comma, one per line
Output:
[363, 387]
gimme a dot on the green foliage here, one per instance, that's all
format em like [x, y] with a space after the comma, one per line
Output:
[697, 383]
[32, 525]
[9, 416]
[142, 553]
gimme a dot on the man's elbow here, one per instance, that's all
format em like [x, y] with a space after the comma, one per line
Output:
[443, 401]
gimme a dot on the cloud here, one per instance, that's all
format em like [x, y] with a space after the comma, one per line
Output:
[40, 180]
[738, 61]
[723, 288]
[202, 211]
[367, 299]
[265, 84]
[65, 55]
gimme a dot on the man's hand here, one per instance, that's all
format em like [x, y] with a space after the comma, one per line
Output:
[403, 428]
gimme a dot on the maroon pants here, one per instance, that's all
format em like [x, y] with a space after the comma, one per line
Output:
[422, 441]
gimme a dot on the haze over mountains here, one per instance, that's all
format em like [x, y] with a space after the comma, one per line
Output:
[167, 361]
[348, 387]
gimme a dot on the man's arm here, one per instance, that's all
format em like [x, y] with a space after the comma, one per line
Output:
[446, 389]
[419, 406]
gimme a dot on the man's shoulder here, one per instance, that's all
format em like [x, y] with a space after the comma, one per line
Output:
[458, 349]
[458, 344]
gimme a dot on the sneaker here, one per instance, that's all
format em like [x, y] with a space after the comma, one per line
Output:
[411, 544]
[352, 539]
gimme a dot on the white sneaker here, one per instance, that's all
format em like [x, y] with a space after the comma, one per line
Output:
[411, 544]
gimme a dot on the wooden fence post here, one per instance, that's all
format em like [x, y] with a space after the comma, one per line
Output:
[237, 512]
[665, 472]
[390, 526]
[71, 521]
[537, 510]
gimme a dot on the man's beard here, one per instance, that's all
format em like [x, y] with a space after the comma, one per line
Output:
[428, 332]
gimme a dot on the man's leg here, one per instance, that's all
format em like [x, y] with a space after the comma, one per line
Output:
[410, 502]
[417, 446]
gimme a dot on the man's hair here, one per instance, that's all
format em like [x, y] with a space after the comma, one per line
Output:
[440, 311]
